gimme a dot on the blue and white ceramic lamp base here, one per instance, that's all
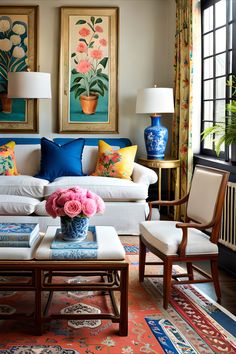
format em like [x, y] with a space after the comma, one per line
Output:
[156, 137]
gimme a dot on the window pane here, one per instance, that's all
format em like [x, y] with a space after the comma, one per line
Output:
[220, 13]
[208, 110]
[220, 64]
[220, 111]
[230, 9]
[208, 19]
[208, 90]
[208, 68]
[220, 40]
[230, 36]
[208, 142]
[230, 62]
[208, 45]
[221, 87]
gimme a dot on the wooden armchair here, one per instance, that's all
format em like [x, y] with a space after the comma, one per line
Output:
[186, 242]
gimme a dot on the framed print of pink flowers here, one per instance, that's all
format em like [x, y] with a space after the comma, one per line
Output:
[18, 46]
[90, 77]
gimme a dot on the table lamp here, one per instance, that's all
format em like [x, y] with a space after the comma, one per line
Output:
[154, 101]
[29, 84]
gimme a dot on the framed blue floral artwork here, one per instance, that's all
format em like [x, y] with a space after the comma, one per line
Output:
[88, 70]
[18, 52]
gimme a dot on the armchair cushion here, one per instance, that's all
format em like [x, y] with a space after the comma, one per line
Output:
[165, 237]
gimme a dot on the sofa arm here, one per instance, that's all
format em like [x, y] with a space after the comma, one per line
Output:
[144, 175]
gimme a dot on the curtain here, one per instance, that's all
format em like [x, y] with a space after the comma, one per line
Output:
[182, 122]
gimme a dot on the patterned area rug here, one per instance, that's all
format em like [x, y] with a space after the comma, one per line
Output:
[192, 324]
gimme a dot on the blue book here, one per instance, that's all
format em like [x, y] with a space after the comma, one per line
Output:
[20, 243]
[89, 243]
[89, 253]
[18, 231]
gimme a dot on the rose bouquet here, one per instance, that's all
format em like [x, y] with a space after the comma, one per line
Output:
[74, 206]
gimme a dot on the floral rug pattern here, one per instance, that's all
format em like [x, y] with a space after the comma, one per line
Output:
[180, 329]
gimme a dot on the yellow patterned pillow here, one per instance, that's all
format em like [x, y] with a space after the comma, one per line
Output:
[7, 160]
[115, 163]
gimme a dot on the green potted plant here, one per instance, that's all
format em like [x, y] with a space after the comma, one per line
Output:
[88, 77]
[225, 132]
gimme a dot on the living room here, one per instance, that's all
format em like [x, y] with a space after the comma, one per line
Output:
[148, 41]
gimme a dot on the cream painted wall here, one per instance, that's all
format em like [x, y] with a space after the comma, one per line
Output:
[146, 56]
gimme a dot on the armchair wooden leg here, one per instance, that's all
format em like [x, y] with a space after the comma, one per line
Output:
[215, 277]
[167, 276]
[190, 270]
[142, 260]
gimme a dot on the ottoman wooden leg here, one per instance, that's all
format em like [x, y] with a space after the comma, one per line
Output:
[123, 326]
[38, 303]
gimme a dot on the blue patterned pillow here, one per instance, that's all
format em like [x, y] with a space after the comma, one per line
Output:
[61, 160]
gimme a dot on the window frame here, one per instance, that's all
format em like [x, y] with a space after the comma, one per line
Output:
[204, 5]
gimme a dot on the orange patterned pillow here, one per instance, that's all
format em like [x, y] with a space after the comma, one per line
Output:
[7, 160]
[115, 163]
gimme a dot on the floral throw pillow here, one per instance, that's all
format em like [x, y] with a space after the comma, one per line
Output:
[115, 163]
[7, 160]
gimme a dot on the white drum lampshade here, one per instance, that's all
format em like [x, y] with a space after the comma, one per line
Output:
[29, 84]
[154, 101]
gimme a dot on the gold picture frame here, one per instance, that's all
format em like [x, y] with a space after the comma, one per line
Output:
[88, 70]
[18, 52]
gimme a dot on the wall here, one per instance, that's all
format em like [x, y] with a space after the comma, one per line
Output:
[146, 56]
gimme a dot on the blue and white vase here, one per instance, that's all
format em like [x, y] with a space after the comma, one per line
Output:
[74, 229]
[156, 137]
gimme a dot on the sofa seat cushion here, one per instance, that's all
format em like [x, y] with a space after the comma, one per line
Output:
[22, 185]
[17, 205]
[110, 189]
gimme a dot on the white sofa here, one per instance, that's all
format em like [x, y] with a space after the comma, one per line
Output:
[22, 198]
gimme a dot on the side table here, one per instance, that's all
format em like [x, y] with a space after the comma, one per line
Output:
[158, 165]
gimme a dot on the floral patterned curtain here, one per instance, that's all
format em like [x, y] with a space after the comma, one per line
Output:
[182, 122]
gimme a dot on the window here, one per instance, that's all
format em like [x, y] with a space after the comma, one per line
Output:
[218, 65]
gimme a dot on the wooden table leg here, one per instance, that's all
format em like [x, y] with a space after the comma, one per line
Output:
[38, 303]
[124, 279]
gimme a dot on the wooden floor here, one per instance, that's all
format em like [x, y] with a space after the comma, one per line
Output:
[227, 282]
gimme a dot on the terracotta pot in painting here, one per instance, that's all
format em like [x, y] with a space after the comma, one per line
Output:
[89, 103]
[6, 103]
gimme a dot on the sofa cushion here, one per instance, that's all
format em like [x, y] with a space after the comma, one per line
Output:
[115, 163]
[22, 185]
[60, 160]
[27, 158]
[110, 189]
[17, 205]
[7, 160]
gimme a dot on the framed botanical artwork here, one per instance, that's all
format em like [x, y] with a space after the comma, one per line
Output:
[88, 70]
[18, 52]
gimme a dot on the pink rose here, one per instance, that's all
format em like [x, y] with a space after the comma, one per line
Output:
[84, 32]
[81, 47]
[99, 29]
[84, 66]
[96, 54]
[64, 197]
[103, 42]
[72, 208]
[89, 207]
[100, 205]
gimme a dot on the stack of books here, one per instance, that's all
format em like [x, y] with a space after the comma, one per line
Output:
[18, 234]
[87, 248]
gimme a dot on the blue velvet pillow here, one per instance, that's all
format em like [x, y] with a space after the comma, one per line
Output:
[60, 160]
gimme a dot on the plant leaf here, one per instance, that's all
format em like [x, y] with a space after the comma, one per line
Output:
[98, 20]
[80, 22]
[73, 55]
[92, 18]
[104, 61]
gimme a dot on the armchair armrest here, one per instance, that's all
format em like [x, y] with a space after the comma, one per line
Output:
[144, 175]
[169, 202]
[185, 227]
